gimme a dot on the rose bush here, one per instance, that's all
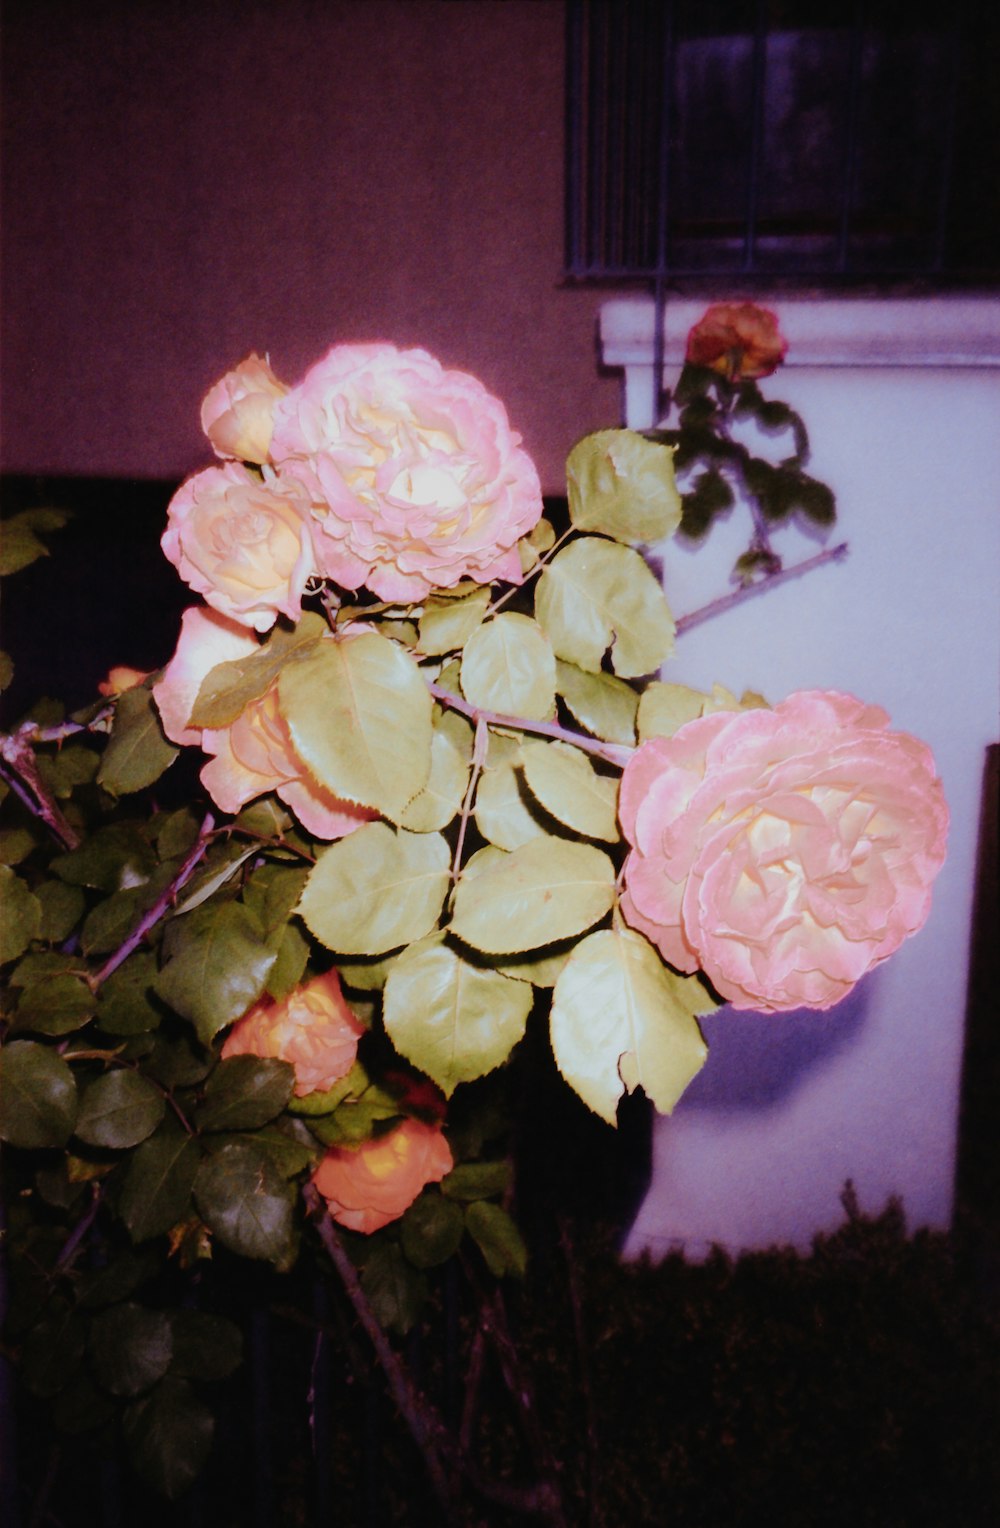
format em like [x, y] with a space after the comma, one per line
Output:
[313, 1028]
[244, 544]
[783, 852]
[737, 339]
[238, 412]
[367, 1188]
[417, 480]
[255, 753]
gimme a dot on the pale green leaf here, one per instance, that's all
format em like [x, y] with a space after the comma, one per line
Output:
[229, 688]
[503, 811]
[541, 969]
[597, 594]
[568, 786]
[376, 889]
[451, 1019]
[508, 667]
[621, 1020]
[348, 705]
[20, 915]
[548, 889]
[118, 1110]
[441, 798]
[622, 485]
[447, 624]
[137, 753]
[606, 706]
[665, 707]
[38, 1100]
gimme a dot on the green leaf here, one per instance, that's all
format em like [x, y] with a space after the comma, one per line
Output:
[596, 594]
[431, 1230]
[178, 1061]
[125, 1003]
[441, 798]
[376, 889]
[6, 669]
[508, 667]
[289, 963]
[272, 891]
[665, 707]
[113, 858]
[365, 975]
[69, 767]
[503, 811]
[548, 889]
[497, 1238]
[219, 867]
[604, 705]
[15, 846]
[55, 1003]
[205, 1346]
[396, 1290]
[347, 705]
[80, 1406]
[477, 1180]
[21, 919]
[448, 623]
[243, 1200]
[622, 485]
[621, 1020]
[567, 785]
[38, 1100]
[157, 1189]
[174, 833]
[229, 688]
[53, 1349]
[62, 908]
[137, 753]
[130, 1348]
[20, 545]
[218, 965]
[453, 1020]
[115, 1280]
[110, 922]
[709, 496]
[244, 1092]
[119, 1109]
[169, 1433]
[541, 969]
[815, 501]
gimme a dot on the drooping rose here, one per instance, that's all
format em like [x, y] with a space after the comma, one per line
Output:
[737, 339]
[783, 852]
[254, 754]
[313, 1028]
[238, 412]
[245, 545]
[367, 1188]
[416, 478]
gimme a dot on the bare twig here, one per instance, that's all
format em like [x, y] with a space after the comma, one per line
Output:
[615, 753]
[479, 753]
[770, 581]
[71, 1245]
[22, 774]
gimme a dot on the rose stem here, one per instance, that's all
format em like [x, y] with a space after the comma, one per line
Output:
[769, 581]
[22, 776]
[615, 753]
[531, 573]
[479, 753]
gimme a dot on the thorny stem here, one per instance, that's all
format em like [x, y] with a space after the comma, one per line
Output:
[615, 753]
[478, 760]
[769, 581]
[163, 902]
[532, 572]
[22, 774]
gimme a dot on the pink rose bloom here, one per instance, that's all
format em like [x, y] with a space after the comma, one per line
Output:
[238, 412]
[254, 754]
[366, 1188]
[242, 543]
[737, 339]
[783, 852]
[313, 1028]
[416, 477]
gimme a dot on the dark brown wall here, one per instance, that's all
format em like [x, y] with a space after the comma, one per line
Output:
[187, 180]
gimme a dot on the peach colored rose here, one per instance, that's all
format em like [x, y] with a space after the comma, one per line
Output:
[242, 543]
[254, 755]
[366, 1188]
[313, 1028]
[738, 340]
[783, 852]
[416, 477]
[238, 412]
[121, 678]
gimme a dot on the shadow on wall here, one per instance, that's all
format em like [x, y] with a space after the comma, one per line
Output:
[758, 1059]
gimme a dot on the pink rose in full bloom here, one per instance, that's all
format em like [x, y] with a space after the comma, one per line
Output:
[242, 543]
[737, 339]
[783, 852]
[238, 412]
[254, 754]
[416, 478]
[366, 1188]
[313, 1028]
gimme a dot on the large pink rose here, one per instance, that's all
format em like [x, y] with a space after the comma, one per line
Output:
[238, 412]
[367, 1188]
[242, 543]
[416, 477]
[254, 755]
[783, 852]
[313, 1028]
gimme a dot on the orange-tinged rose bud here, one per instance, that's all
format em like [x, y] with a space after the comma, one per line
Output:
[367, 1188]
[238, 412]
[313, 1028]
[121, 678]
[739, 340]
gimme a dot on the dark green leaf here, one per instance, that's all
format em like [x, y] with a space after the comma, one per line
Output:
[395, 1289]
[53, 1349]
[21, 917]
[15, 846]
[138, 752]
[125, 1003]
[71, 766]
[497, 1237]
[290, 962]
[219, 962]
[174, 833]
[116, 856]
[20, 543]
[38, 1099]
[80, 1406]
[205, 1346]
[55, 1004]
[273, 891]
[169, 1434]
[244, 1092]
[157, 1190]
[130, 1348]
[178, 1061]
[476, 1180]
[815, 501]
[116, 1280]
[62, 908]
[109, 924]
[289, 1144]
[710, 496]
[242, 1198]
[431, 1230]
[118, 1110]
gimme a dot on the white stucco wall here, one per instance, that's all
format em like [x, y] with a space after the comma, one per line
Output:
[789, 1107]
